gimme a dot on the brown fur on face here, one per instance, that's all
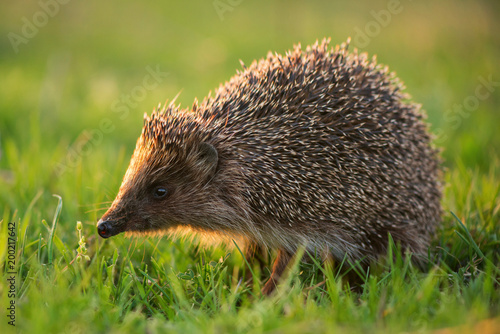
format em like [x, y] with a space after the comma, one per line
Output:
[317, 148]
[202, 184]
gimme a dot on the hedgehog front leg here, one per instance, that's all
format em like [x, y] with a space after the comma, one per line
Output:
[280, 264]
[254, 252]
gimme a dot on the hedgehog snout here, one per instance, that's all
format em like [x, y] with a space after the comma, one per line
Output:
[107, 228]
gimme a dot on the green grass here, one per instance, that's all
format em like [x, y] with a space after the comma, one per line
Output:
[63, 83]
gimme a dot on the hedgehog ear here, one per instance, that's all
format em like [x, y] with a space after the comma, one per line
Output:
[209, 159]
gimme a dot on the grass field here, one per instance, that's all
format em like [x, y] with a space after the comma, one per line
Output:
[72, 98]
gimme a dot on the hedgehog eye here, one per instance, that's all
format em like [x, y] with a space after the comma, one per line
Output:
[160, 192]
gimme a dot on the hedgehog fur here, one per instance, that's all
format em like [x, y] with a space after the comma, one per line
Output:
[317, 148]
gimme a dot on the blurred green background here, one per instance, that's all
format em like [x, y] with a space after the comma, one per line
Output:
[75, 81]
[89, 53]
[69, 74]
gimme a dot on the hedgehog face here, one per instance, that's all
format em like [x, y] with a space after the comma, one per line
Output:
[163, 188]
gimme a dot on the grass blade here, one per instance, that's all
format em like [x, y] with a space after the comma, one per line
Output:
[53, 229]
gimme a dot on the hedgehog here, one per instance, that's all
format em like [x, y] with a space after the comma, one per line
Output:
[319, 148]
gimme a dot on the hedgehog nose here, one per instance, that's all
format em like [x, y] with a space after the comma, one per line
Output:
[105, 228]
